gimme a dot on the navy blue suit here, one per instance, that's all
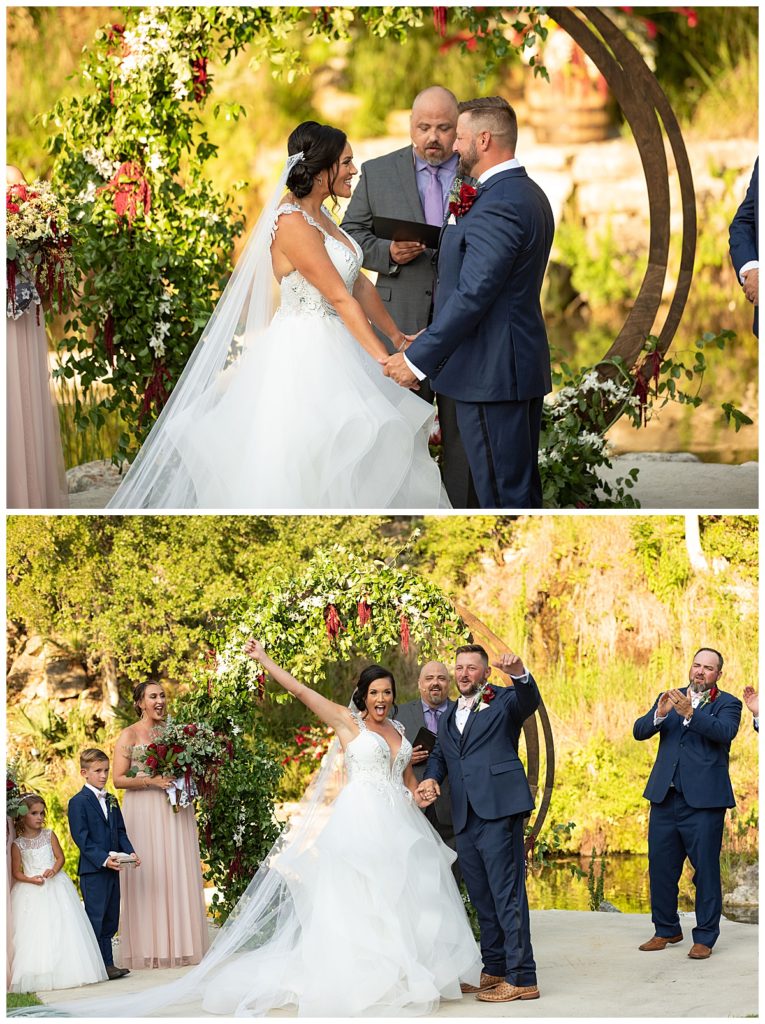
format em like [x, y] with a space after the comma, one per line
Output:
[487, 345]
[490, 799]
[689, 789]
[95, 837]
[744, 235]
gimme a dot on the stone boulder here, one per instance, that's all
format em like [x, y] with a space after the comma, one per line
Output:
[746, 890]
[44, 670]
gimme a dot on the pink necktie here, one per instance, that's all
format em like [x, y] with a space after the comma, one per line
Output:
[434, 198]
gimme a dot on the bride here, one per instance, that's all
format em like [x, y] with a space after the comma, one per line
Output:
[292, 411]
[355, 911]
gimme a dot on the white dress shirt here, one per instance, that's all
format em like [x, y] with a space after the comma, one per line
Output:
[506, 165]
[101, 794]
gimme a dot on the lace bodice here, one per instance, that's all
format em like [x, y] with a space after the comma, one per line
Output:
[36, 854]
[367, 759]
[300, 298]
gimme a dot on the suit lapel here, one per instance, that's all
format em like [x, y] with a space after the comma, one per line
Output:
[97, 804]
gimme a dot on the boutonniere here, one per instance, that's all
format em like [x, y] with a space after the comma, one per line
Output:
[111, 801]
[709, 697]
[484, 696]
[464, 199]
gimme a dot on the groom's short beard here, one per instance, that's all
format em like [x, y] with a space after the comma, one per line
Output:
[467, 162]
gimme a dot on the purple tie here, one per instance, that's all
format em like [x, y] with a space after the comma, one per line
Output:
[432, 720]
[434, 198]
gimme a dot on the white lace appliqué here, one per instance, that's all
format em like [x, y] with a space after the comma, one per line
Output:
[298, 296]
[36, 854]
[368, 760]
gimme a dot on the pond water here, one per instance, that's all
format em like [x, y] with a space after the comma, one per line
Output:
[626, 886]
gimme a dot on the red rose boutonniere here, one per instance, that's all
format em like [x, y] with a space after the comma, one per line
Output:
[709, 697]
[464, 200]
[485, 695]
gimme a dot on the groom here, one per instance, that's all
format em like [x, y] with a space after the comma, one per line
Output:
[477, 746]
[487, 345]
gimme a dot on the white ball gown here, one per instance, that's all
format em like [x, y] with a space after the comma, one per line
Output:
[53, 941]
[355, 914]
[300, 417]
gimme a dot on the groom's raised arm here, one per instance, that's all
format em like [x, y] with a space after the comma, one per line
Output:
[494, 235]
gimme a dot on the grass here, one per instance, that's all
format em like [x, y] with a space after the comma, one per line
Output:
[13, 1000]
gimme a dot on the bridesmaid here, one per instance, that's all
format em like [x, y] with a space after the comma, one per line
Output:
[10, 835]
[35, 475]
[163, 922]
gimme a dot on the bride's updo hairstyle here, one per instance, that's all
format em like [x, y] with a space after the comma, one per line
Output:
[368, 676]
[321, 146]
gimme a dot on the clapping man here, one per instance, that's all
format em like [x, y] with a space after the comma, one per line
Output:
[413, 184]
[477, 746]
[689, 789]
[421, 715]
[752, 701]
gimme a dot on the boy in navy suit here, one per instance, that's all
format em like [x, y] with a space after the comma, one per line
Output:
[98, 829]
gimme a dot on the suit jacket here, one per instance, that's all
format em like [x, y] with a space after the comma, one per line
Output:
[482, 763]
[699, 752]
[94, 834]
[744, 236]
[388, 188]
[487, 341]
[412, 717]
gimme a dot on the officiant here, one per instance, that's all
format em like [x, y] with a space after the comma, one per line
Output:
[420, 718]
[412, 185]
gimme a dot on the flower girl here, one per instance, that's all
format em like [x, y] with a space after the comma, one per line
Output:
[53, 942]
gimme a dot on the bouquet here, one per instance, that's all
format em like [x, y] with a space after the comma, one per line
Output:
[14, 806]
[39, 262]
[191, 755]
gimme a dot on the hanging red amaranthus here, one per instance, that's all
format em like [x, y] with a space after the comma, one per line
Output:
[156, 392]
[365, 611]
[647, 372]
[199, 76]
[405, 635]
[260, 693]
[439, 20]
[131, 190]
[332, 622]
[109, 337]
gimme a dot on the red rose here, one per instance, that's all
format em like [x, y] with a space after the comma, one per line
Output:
[11, 207]
[151, 763]
[460, 206]
[713, 693]
[489, 694]
[10, 784]
[152, 746]
[177, 748]
[190, 730]
[162, 750]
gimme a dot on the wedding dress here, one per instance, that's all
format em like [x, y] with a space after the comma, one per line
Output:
[285, 412]
[354, 913]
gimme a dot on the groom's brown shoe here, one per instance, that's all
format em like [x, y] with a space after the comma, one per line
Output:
[699, 951]
[659, 942]
[487, 981]
[113, 972]
[506, 992]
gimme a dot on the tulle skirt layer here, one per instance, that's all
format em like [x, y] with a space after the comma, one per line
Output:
[305, 419]
[380, 928]
[53, 941]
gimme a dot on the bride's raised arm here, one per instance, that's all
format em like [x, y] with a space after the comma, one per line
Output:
[303, 246]
[334, 715]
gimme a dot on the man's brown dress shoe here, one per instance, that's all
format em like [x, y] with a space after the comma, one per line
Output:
[506, 992]
[487, 981]
[699, 951]
[659, 942]
[113, 972]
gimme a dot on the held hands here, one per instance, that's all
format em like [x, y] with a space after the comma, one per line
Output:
[752, 286]
[396, 368]
[427, 792]
[405, 252]
[36, 879]
[510, 664]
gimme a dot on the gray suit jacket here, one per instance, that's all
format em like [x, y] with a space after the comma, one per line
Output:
[412, 718]
[388, 188]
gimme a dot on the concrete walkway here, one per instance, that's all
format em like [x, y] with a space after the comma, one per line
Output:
[588, 965]
[665, 481]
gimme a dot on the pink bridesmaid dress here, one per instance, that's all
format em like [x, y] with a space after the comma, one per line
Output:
[163, 922]
[35, 475]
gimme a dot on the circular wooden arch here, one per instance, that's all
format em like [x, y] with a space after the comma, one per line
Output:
[531, 730]
[647, 111]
